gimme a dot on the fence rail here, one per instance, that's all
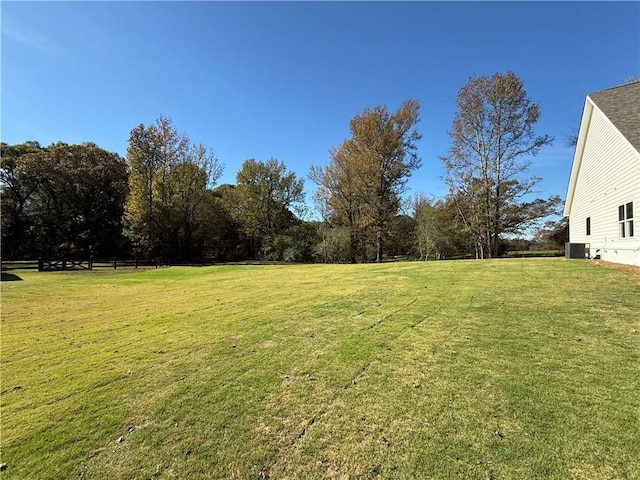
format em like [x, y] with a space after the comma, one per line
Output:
[53, 265]
[19, 265]
[56, 265]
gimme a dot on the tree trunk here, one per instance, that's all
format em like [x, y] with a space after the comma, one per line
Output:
[353, 245]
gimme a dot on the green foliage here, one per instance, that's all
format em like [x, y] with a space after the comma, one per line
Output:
[169, 180]
[439, 234]
[400, 235]
[78, 200]
[553, 235]
[361, 187]
[223, 236]
[534, 253]
[399, 370]
[335, 246]
[262, 202]
[62, 200]
[19, 182]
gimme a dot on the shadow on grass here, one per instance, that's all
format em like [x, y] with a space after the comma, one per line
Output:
[10, 277]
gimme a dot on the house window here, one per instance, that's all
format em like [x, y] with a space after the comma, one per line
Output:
[625, 220]
[588, 225]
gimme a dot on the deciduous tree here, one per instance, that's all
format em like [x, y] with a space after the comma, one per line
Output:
[19, 181]
[438, 230]
[62, 200]
[367, 173]
[553, 235]
[266, 194]
[92, 189]
[339, 197]
[384, 144]
[492, 141]
[169, 179]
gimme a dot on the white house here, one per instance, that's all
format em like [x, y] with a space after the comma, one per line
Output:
[603, 198]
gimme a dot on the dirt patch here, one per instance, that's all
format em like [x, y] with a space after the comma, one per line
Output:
[634, 269]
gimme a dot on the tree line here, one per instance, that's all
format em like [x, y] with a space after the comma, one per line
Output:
[163, 198]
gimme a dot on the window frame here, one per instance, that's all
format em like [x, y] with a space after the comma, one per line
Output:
[625, 220]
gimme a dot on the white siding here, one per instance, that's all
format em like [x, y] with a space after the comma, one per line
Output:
[609, 176]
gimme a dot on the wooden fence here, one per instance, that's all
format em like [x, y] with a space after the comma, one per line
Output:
[56, 265]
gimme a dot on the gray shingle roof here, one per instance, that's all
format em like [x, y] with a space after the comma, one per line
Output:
[621, 105]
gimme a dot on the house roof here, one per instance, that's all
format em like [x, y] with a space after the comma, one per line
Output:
[621, 105]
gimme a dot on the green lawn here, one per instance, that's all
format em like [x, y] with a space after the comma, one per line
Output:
[506, 369]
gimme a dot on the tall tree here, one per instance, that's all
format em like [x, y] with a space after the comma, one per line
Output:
[151, 153]
[368, 172]
[93, 185]
[385, 145]
[492, 140]
[189, 198]
[339, 196]
[62, 200]
[169, 178]
[19, 181]
[265, 195]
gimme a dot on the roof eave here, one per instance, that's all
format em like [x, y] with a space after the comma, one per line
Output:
[577, 157]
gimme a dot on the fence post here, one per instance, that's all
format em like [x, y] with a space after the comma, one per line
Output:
[40, 264]
[64, 264]
[115, 263]
[90, 263]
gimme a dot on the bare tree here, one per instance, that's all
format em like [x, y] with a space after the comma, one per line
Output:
[492, 140]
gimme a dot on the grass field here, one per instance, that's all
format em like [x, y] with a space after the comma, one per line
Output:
[509, 369]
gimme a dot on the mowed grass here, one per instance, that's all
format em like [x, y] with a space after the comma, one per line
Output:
[468, 369]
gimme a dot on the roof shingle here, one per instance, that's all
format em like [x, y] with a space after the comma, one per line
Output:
[621, 105]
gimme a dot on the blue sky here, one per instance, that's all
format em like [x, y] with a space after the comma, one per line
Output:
[283, 79]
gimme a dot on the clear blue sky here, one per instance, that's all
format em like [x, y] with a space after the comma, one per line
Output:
[262, 80]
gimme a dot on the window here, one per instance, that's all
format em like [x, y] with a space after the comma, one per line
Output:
[625, 220]
[588, 225]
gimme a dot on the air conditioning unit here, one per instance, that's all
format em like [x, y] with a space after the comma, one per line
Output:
[575, 250]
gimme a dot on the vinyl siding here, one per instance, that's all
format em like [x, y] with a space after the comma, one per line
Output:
[609, 176]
